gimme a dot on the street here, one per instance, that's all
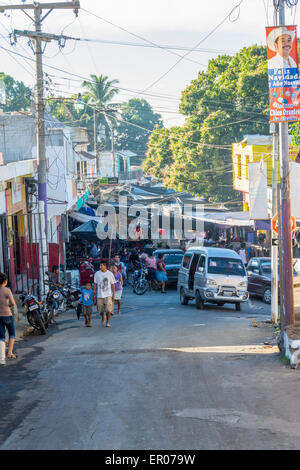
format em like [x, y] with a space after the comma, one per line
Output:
[165, 376]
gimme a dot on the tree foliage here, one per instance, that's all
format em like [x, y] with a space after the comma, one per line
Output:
[223, 104]
[79, 111]
[16, 96]
[136, 115]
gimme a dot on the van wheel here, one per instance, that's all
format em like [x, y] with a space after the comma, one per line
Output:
[199, 301]
[238, 307]
[183, 298]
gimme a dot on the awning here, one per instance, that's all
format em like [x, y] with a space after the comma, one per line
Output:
[83, 218]
[91, 225]
[228, 219]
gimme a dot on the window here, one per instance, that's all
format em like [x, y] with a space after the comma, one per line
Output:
[266, 267]
[187, 260]
[253, 265]
[78, 171]
[227, 266]
[202, 263]
[173, 258]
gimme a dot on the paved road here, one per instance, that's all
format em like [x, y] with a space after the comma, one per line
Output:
[164, 376]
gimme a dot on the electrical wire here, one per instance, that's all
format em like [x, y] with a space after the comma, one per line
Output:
[229, 16]
[141, 37]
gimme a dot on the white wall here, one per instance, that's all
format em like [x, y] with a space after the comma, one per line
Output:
[106, 164]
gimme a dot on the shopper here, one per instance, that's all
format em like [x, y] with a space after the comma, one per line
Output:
[243, 254]
[104, 293]
[6, 320]
[161, 273]
[151, 265]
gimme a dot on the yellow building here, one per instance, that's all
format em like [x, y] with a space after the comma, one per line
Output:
[252, 149]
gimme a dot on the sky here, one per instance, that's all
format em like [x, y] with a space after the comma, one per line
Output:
[140, 70]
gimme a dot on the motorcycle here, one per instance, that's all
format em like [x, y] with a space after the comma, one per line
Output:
[35, 313]
[140, 283]
[63, 296]
[53, 300]
[69, 297]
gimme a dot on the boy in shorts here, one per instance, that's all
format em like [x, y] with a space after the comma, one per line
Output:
[87, 302]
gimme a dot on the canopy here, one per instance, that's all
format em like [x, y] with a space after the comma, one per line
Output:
[90, 230]
[87, 231]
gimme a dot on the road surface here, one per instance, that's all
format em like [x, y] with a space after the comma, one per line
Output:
[165, 376]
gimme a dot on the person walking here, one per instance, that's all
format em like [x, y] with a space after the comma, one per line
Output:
[161, 273]
[118, 287]
[151, 265]
[121, 267]
[87, 302]
[243, 254]
[104, 293]
[6, 320]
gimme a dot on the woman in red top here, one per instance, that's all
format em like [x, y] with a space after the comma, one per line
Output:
[161, 273]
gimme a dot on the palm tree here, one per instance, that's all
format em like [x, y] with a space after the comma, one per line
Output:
[100, 92]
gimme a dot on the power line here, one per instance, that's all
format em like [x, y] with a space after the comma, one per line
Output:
[140, 37]
[236, 8]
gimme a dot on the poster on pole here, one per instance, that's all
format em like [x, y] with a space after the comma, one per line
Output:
[283, 73]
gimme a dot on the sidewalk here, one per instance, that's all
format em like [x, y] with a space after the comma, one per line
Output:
[21, 324]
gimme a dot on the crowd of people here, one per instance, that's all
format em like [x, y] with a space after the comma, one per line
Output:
[111, 278]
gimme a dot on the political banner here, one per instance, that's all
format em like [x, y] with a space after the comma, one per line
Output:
[283, 73]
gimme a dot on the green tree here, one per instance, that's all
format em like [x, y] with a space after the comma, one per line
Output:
[136, 116]
[15, 95]
[223, 104]
[79, 109]
[100, 92]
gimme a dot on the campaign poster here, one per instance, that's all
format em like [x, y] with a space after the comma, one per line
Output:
[283, 73]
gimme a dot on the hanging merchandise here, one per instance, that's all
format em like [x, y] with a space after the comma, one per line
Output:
[283, 73]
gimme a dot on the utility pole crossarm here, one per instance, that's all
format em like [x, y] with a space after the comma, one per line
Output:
[75, 5]
[34, 35]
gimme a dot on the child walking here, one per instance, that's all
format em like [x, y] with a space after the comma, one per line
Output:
[87, 302]
[118, 287]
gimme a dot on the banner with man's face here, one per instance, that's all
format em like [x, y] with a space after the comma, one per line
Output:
[283, 73]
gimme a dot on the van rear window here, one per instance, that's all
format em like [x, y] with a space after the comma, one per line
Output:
[227, 266]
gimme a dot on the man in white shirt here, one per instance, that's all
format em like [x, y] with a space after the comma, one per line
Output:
[280, 40]
[104, 291]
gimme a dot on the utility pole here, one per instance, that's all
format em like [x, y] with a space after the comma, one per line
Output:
[287, 259]
[95, 142]
[274, 302]
[275, 208]
[38, 37]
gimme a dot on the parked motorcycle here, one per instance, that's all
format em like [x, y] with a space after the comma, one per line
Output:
[140, 283]
[71, 296]
[53, 300]
[34, 312]
[63, 296]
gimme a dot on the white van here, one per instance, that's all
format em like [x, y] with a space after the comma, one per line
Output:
[212, 275]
